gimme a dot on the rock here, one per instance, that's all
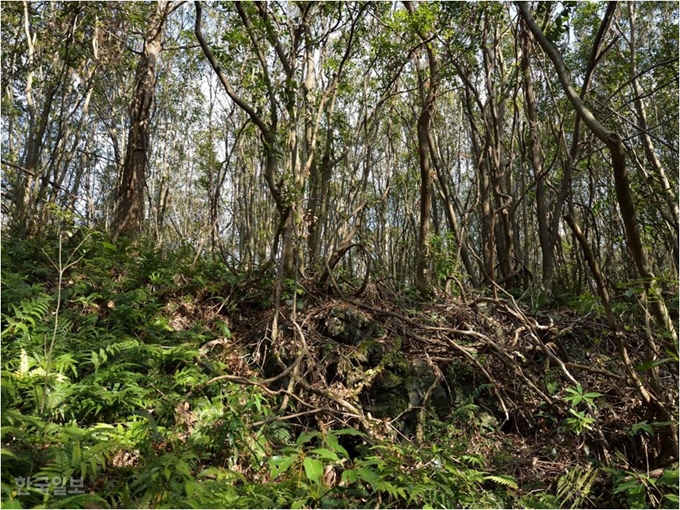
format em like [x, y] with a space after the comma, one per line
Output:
[348, 326]
[401, 385]
[469, 387]
[369, 353]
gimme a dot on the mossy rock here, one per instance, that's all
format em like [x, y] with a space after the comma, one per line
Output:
[329, 351]
[348, 325]
[369, 353]
[419, 382]
[388, 380]
[467, 386]
[403, 384]
[397, 363]
[390, 404]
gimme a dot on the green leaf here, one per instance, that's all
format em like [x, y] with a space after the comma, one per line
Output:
[670, 477]
[313, 469]
[224, 329]
[14, 503]
[574, 399]
[652, 364]
[367, 475]
[673, 353]
[325, 454]
[673, 498]
[348, 475]
[592, 394]
[102, 427]
[306, 437]
[577, 391]
[661, 424]
[348, 432]
[280, 465]
[191, 487]
[643, 426]
[630, 484]
[333, 444]
[7, 453]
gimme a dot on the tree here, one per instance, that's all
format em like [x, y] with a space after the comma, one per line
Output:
[128, 215]
[428, 84]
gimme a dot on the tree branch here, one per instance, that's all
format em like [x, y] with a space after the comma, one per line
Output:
[563, 74]
[227, 86]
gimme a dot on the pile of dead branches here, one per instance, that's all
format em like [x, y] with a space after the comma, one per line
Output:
[529, 359]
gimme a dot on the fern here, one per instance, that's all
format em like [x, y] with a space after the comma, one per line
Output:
[481, 390]
[27, 315]
[575, 487]
[505, 480]
[124, 345]
[473, 460]
[465, 412]
[59, 467]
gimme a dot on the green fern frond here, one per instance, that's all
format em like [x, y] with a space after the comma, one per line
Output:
[481, 390]
[465, 412]
[473, 460]
[26, 318]
[124, 345]
[506, 480]
[59, 467]
[145, 500]
[575, 486]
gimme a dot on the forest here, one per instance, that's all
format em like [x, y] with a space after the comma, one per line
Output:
[315, 254]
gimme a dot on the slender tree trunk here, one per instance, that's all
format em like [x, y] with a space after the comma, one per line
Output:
[650, 152]
[493, 115]
[537, 163]
[428, 93]
[128, 216]
[423, 255]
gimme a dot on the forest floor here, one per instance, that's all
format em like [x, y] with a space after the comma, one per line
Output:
[132, 379]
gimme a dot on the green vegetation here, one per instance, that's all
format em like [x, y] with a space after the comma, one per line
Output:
[107, 355]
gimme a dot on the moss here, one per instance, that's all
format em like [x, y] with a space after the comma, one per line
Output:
[330, 350]
[369, 353]
[396, 362]
[388, 381]
[389, 405]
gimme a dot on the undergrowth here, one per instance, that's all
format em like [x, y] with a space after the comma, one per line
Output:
[105, 404]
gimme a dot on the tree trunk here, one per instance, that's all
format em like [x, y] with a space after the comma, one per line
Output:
[128, 213]
[537, 163]
[423, 256]
[428, 86]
